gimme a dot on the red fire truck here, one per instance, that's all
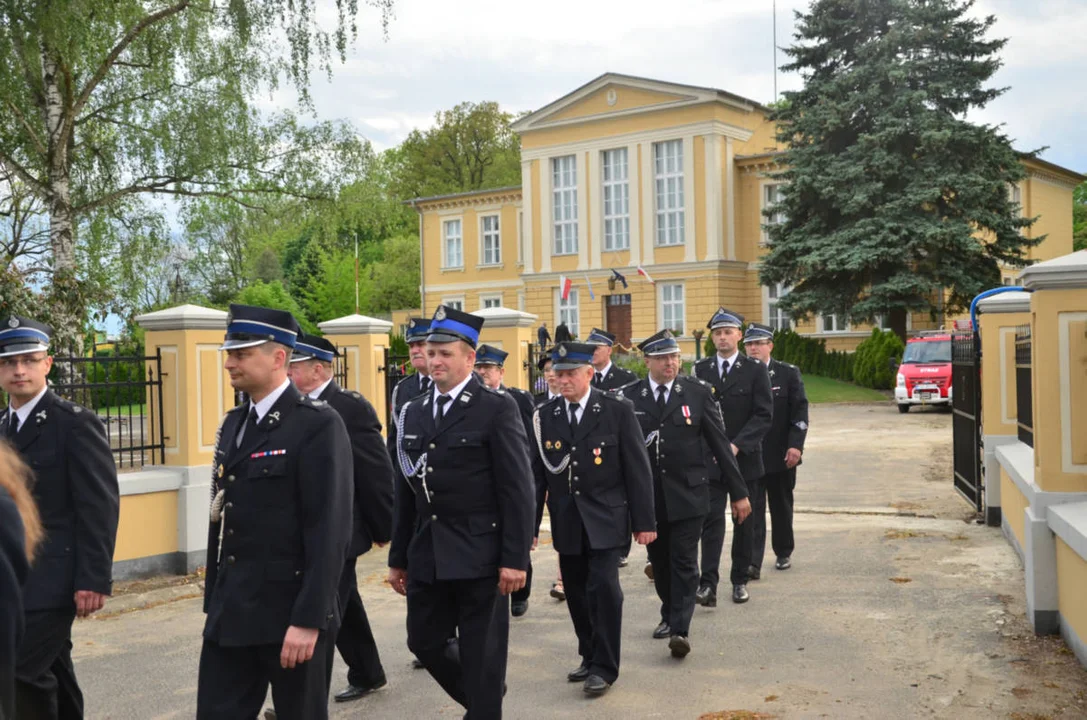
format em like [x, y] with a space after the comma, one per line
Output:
[924, 377]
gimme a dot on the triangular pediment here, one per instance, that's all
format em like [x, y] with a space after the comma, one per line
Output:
[612, 95]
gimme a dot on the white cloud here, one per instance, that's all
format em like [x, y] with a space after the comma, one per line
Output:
[525, 55]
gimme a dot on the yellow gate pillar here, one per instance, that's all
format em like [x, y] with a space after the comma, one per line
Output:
[196, 393]
[998, 317]
[512, 331]
[364, 341]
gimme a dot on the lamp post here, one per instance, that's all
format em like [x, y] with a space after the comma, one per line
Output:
[698, 344]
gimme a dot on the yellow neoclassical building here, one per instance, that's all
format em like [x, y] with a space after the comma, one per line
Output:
[627, 172]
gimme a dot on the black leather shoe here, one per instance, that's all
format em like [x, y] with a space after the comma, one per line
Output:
[783, 563]
[519, 608]
[596, 685]
[649, 570]
[753, 573]
[558, 592]
[622, 562]
[578, 675]
[679, 645]
[417, 664]
[706, 597]
[662, 631]
[354, 692]
[739, 594]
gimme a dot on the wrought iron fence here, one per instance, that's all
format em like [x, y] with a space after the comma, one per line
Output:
[1023, 390]
[394, 368]
[536, 382]
[125, 392]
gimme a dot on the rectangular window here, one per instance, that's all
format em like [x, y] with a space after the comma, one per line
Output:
[568, 312]
[564, 204]
[775, 316]
[672, 307]
[616, 199]
[668, 157]
[491, 301]
[492, 248]
[454, 249]
[771, 196]
[454, 304]
[832, 323]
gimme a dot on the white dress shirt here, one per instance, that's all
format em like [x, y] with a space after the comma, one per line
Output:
[315, 394]
[580, 412]
[728, 362]
[23, 413]
[452, 395]
[653, 385]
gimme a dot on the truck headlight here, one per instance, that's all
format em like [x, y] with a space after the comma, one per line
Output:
[901, 380]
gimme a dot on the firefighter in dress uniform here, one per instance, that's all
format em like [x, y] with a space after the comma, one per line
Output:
[679, 416]
[278, 539]
[462, 521]
[75, 489]
[742, 389]
[490, 366]
[591, 464]
[372, 518]
[782, 449]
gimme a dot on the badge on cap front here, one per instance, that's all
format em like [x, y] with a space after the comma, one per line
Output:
[440, 315]
[562, 351]
[13, 323]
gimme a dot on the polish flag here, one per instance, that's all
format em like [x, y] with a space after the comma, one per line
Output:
[564, 286]
[642, 272]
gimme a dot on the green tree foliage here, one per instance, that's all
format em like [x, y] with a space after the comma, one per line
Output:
[470, 147]
[812, 357]
[106, 100]
[1079, 217]
[872, 360]
[274, 295]
[891, 195]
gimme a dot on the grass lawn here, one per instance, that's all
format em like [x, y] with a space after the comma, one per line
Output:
[123, 410]
[825, 390]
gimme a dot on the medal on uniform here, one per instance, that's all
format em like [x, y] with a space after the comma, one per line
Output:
[220, 470]
[687, 413]
[598, 460]
[558, 444]
[547, 444]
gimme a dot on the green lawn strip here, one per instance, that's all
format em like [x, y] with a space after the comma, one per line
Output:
[826, 390]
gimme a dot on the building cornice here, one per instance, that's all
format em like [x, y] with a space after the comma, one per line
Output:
[1013, 301]
[1067, 272]
[706, 127]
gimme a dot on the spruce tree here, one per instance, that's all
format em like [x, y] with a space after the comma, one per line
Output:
[891, 195]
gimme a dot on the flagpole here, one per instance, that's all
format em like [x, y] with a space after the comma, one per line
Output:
[775, 44]
[356, 273]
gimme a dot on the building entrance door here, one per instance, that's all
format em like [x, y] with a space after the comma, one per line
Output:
[618, 318]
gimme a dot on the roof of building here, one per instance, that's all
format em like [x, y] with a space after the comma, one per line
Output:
[468, 193]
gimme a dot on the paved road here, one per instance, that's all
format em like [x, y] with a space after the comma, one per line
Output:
[881, 616]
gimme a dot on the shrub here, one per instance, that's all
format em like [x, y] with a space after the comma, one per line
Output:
[872, 360]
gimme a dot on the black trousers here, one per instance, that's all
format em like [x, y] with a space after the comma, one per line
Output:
[355, 640]
[436, 612]
[522, 594]
[674, 555]
[595, 601]
[45, 683]
[233, 682]
[713, 540]
[776, 489]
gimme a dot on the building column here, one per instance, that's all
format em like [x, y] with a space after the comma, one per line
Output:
[363, 340]
[714, 236]
[513, 332]
[196, 393]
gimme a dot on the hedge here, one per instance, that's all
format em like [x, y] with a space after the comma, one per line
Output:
[873, 358]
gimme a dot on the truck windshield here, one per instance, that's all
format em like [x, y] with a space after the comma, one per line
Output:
[936, 351]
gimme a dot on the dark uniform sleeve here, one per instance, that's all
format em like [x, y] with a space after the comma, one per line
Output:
[539, 475]
[403, 517]
[637, 473]
[325, 518]
[13, 572]
[751, 434]
[713, 434]
[96, 500]
[373, 470]
[513, 483]
[390, 432]
[798, 411]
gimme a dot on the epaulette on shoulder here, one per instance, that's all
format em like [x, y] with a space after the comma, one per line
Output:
[693, 380]
[307, 401]
[619, 397]
[353, 394]
[704, 361]
[493, 391]
[69, 406]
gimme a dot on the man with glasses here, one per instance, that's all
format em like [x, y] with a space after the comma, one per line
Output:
[77, 494]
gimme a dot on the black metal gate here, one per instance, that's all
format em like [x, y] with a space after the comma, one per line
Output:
[536, 383]
[966, 421]
[394, 368]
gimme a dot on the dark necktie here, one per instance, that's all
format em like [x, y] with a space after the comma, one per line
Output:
[13, 423]
[573, 417]
[441, 402]
[724, 369]
[661, 389]
[248, 426]
[424, 385]
[598, 380]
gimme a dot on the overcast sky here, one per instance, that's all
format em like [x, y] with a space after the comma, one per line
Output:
[525, 55]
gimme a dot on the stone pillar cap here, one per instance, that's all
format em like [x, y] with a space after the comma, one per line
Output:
[183, 317]
[1012, 301]
[1065, 272]
[498, 317]
[355, 325]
